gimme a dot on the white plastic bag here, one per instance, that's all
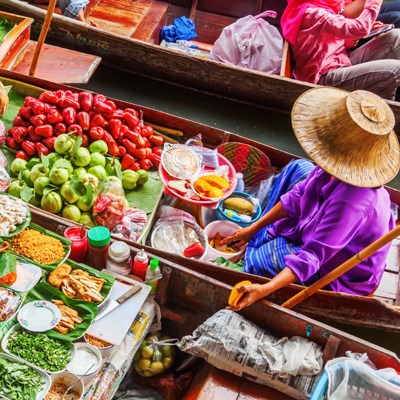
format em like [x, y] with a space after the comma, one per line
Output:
[250, 42]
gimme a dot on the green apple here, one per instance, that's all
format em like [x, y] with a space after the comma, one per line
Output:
[97, 159]
[81, 158]
[58, 176]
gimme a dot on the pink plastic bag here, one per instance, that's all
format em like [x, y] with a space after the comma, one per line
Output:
[251, 42]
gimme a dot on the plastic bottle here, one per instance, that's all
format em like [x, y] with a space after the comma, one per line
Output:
[140, 264]
[237, 217]
[240, 182]
[99, 242]
[153, 270]
[119, 258]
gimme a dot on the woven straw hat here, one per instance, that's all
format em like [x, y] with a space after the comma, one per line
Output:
[349, 135]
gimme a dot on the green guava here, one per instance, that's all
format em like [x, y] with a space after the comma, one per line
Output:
[64, 144]
[129, 179]
[17, 166]
[97, 159]
[98, 171]
[37, 171]
[71, 212]
[143, 177]
[99, 146]
[58, 176]
[51, 202]
[40, 184]
[81, 158]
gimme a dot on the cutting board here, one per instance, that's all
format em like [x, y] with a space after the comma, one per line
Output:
[113, 327]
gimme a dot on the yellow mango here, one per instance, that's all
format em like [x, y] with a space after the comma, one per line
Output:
[235, 296]
[215, 193]
[217, 181]
[201, 186]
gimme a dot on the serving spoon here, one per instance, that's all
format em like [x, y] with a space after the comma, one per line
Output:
[79, 380]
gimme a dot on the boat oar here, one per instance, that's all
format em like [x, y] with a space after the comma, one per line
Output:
[42, 36]
[343, 268]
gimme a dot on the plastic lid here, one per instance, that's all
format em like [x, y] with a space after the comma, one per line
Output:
[99, 236]
[154, 263]
[239, 175]
[119, 251]
[141, 256]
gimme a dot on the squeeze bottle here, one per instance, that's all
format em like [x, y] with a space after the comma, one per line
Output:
[153, 270]
[140, 263]
[240, 183]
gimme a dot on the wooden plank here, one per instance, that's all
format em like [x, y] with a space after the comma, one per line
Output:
[253, 391]
[393, 258]
[76, 67]
[388, 286]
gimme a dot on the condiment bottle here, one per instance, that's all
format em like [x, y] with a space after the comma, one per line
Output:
[79, 243]
[119, 258]
[240, 183]
[99, 242]
[140, 263]
[153, 270]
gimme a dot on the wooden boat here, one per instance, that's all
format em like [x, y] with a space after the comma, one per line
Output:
[55, 63]
[127, 37]
[381, 311]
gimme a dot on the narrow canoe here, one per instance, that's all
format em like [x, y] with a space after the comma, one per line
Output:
[127, 37]
[381, 311]
[55, 63]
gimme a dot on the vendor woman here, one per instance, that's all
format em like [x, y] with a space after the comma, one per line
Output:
[339, 209]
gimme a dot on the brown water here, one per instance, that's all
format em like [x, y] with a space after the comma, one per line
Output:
[270, 127]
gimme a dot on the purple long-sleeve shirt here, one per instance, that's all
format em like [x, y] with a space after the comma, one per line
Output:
[333, 221]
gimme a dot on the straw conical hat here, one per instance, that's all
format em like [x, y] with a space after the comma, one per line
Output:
[349, 135]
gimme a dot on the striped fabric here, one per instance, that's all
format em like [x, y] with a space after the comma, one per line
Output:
[266, 255]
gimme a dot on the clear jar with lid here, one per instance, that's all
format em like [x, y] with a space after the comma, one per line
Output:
[119, 258]
[99, 242]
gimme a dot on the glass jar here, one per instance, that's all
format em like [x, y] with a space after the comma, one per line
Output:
[99, 242]
[79, 243]
[119, 258]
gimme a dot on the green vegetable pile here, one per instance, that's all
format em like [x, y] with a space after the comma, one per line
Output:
[19, 381]
[37, 348]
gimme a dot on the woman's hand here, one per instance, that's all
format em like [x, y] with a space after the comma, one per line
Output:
[377, 25]
[242, 236]
[252, 293]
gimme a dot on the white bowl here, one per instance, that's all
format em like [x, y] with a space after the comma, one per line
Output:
[225, 228]
[68, 379]
[105, 351]
[82, 350]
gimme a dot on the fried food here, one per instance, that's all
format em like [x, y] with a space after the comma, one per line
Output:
[77, 284]
[69, 318]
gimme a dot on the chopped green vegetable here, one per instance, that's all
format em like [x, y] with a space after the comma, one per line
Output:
[37, 348]
[5, 27]
[223, 262]
[19, 381]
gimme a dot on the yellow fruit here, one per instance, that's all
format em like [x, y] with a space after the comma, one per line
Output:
[217, 181]
[147, 352]
[157, 367]
[240, 205]
[144, 363]
[3, 100]
[235, 296]
[215, 193]
[201, 185]
[167, 362]
[147, 373]
[166, 350]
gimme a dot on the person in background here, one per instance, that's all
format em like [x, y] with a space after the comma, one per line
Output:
[339, 209]
[390, 13]
[318, 33]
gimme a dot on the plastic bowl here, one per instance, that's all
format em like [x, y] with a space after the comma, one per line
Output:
[68, 379]
[255, 215]
[75, 362]
[225, 228]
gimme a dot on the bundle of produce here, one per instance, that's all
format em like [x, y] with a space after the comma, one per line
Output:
[91, 117]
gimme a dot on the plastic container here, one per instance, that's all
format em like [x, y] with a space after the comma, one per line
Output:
[153, 270]
[140, 264]
[68, 379]
[86, 361]
[119, 258]
[240, 182]
[79, 243]
[99, 242]
[225, 228]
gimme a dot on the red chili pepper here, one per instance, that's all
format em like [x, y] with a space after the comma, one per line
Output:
[25, 112]
[19, 133]
[49, 97]
[44, 130]
[19, 121]
[83, 119]
[36, 106]
[122, 151]
[54, 116]
[29, 147]
[145, 164]
[156, 139]
[140, 154]
[70, 102]
[115, 127]
[132, 111]
[155, 159]
[96, 133]
[147, 131]
[141, 142]
[22, 154]
[131, 135]
[69, 115]
[85, 140]
[113, 148]
[102, 107]
[98, 120]
[38, 120]
[86, 100]
[49, 142]
[11, 143]
[131, 120]
[33, 136]
[59, 129]
[129, 146]
[127, 161]
[76, 129]
[41, 149]
[194, 250]
[156, 150]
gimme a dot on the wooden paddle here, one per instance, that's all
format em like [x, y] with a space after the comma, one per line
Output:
[342, 269]
[42, 36]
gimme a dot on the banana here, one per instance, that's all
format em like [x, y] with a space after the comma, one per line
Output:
[240, 205]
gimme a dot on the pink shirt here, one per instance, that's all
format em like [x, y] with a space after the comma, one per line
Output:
[320, 45]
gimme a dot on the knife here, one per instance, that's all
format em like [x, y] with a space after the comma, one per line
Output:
[112, 304]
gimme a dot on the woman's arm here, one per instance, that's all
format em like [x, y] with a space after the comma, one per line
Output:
[354, 9]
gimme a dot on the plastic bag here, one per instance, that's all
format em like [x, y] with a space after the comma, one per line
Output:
[5, 179]
[155, 355]
[209, 157]
[132, 224]
[109, 207]
[251, 42]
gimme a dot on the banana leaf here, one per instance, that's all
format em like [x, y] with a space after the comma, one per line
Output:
[86, 311]
[8, 266]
